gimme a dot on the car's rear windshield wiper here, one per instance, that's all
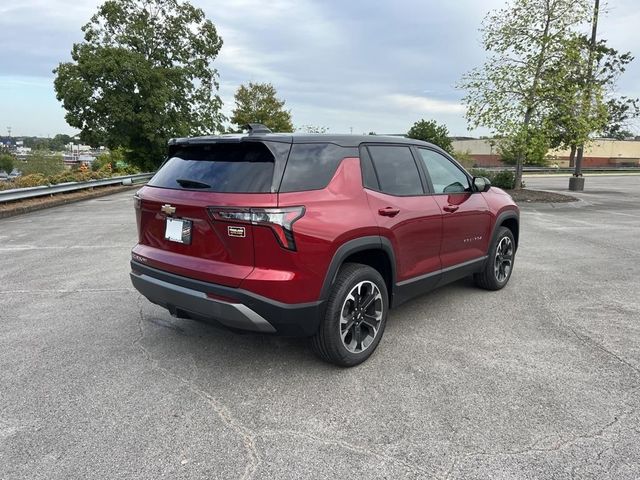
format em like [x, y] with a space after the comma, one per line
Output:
[186, 183]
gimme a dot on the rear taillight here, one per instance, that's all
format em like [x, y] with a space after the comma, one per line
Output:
[280, 220]
[137, 204]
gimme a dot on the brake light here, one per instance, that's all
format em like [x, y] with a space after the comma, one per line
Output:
[279, 220]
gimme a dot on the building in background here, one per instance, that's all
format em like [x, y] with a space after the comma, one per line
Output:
[601, 152]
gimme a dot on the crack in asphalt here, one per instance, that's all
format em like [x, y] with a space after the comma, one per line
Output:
[248, 437]
[354, 448]
[567, 443]
[585, 339]
[573, 440]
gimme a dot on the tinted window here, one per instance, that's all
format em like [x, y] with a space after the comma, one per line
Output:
[368, 173]
[445, 175]
[312, 165]
[222, 167]
[396, 171]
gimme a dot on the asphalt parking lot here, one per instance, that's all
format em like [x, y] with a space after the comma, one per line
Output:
[539, 380]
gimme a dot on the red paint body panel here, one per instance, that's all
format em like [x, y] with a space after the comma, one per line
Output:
[213, 256]
[466, 227]
[334, 215]
[415, 231]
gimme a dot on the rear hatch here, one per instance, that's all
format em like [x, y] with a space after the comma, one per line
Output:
[180, 212]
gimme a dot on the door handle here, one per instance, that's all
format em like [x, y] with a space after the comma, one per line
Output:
[450, 208]
[389, 211]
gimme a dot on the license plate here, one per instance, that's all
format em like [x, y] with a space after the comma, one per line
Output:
[178, 230]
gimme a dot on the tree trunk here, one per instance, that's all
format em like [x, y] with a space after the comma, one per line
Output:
[572, 156]
[517, 184]
[579, 155]
[531, 103]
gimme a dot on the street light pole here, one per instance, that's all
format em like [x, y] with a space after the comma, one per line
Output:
[576, 182]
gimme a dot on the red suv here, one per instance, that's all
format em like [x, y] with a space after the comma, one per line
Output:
[314, 235]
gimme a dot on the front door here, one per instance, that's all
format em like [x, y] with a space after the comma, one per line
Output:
[406, 215]
[465, 214]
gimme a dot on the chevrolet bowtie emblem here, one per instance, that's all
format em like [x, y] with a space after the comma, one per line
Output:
[168, 209]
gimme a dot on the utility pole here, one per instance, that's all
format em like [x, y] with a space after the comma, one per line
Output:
[576, 182]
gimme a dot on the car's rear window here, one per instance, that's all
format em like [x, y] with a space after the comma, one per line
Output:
[222, 167]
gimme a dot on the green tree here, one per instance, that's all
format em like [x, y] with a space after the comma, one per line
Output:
[43, 162]
[142, 74]
[530, 145]
[6, 162]
[36, 143]
[430, 131]
[621, 111]
[258, 103]
[512, 92]
[59, 142]
[573, 119]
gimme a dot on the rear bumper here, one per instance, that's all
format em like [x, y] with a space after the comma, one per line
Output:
[229, 307]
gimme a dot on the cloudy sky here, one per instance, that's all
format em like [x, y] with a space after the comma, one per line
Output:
[366, 65]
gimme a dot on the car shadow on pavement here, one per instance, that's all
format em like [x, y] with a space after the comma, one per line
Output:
[165, 336]
[184, 340]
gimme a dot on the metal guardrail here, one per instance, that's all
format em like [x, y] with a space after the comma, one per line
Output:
[44, 190]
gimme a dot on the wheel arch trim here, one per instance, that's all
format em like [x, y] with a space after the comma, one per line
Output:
[373, 242]
[506, 215]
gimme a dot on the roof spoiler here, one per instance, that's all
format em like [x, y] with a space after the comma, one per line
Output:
[255, 128]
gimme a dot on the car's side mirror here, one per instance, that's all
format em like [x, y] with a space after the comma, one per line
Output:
[481, 184]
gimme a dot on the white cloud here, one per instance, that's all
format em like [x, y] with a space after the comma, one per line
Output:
[373, 66]
[425, 105]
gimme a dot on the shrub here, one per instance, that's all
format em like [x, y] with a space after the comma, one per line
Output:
[113, 161]
[32, 180]
[505, 179]
[68, 176]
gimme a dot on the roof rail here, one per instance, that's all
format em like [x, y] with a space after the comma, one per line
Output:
[255, 128]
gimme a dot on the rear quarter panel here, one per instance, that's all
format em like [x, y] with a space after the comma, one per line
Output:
[333, 216]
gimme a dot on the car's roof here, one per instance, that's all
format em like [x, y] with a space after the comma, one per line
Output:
[341, 140]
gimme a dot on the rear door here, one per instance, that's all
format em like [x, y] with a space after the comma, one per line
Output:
[465, 214]
[181, 212]
[405, 214]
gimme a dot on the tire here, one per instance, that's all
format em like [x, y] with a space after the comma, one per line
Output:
[341, 339]
[499, 265]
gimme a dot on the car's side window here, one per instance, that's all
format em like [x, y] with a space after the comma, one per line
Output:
[311, 166]
[446, 177]
[369, 178]
[396, 170]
